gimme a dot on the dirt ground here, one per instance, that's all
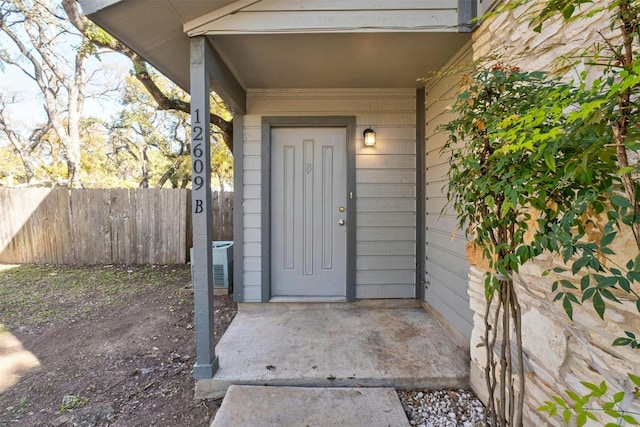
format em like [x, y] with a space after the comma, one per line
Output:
[103, 345]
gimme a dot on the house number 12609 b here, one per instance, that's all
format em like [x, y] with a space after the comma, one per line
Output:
[197, 154]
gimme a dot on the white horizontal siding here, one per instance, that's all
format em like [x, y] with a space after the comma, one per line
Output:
[400, 146]
[385, 161]
[389, 107]
[446, 266]
[454, 242]
[251, 176]
[444, 222]
[252, 208]
[252, 191]
[389, 204]
[395, 176]
[385, 234]
[384, 219]
[252, 250]
[388, 262]
[438, 203]
[383, 191]
[382, 291]
[385, 181]
[384, 249]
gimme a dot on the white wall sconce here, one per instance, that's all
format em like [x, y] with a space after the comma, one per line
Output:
[369, 137]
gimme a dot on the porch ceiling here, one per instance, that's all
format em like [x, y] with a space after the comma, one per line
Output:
[355, 60]
[377, 59]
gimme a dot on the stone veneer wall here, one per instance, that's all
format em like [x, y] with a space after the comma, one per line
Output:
[561, 353]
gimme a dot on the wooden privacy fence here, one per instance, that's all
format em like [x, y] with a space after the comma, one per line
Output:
[102, 226]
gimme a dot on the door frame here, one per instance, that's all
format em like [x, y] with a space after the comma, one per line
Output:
[269, 122]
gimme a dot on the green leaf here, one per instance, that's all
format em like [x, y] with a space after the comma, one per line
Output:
[634, 379]
[573, 395]
[584, 282]
[568, 308]
[572, 297]
[603, 387]
[630, 420]
[567, 284]
[588, 294]
[581, 419]
[550, 161]
[618, 397]
[566, 416]
[560, 401]
[608, 295]
[612, 413]
[624, 284]
[580, 263]
[607, 239]
[545, 408]
[606, 250]
[568, 11]
[590, 386]
[598, 305]
[595, 264]
[506, 207]
[606, 282]
[595, 390]
[621, 342]
[620, 201]
[626, 170]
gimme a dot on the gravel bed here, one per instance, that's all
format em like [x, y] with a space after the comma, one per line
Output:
[442, 408]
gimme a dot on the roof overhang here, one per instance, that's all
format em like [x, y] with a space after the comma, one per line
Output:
[294, 43]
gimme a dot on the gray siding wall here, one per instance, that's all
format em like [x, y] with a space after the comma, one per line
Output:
[446, 265]
[385, 182]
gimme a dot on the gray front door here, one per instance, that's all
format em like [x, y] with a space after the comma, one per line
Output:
[308, 218]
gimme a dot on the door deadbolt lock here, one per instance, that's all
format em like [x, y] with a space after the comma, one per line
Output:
[341, 209]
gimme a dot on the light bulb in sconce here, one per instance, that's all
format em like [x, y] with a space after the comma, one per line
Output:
[369, 137]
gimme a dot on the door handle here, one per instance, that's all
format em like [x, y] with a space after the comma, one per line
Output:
[341, 221]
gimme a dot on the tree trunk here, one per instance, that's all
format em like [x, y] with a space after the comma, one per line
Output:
[73, 170]
[221, 182]
[28, 166]
[169, 172]
[144, 182]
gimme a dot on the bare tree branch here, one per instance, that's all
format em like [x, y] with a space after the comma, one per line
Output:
[140, 70]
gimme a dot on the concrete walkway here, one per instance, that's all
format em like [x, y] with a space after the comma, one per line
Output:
[318, 407]
[364, 344]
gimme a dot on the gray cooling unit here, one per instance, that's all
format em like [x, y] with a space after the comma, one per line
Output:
[222, 254]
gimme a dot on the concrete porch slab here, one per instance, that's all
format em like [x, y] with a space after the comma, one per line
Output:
[363, 344]
[298, 406]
